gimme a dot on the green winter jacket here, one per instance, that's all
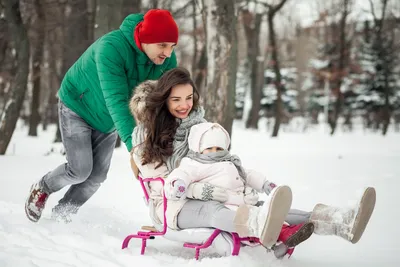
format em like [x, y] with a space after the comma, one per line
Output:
[100, 83]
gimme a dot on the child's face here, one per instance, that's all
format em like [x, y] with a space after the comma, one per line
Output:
[211, 150]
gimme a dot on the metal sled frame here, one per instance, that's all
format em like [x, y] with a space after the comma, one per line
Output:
[145, 235]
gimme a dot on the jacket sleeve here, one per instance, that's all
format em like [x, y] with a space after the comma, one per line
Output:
[187, 171]
[113, 82]
[255, 180]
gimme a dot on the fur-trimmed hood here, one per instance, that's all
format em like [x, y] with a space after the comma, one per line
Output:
[137, 104]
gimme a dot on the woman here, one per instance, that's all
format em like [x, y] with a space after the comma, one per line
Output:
[160, 142]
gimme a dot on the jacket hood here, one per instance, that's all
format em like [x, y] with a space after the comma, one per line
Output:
[197, 131]
[128, 26]
[137, 104]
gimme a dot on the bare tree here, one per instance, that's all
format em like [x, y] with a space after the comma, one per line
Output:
[7, 60]
[12, 108]
[53, 57]
[252, 28]
[200, 66]
[131, 7]
[76, 33]
[91, 14]
[37, 50]
[342, 64]
[200, 72]
[153, 4]
[219, 94]
[68, 34]
[273, 48]
[108, 16]
[195, 41]
[384, 50]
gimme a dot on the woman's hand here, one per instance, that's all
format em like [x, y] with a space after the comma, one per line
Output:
[134, 167]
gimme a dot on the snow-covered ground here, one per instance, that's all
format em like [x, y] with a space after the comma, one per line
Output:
[318, 167]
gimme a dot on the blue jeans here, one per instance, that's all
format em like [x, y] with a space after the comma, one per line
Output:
[89, 155]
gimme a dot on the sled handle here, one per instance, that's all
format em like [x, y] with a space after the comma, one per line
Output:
[146, 194]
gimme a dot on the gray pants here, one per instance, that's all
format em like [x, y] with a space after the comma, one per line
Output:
[213, 214]
[206, 214]
[89, 155]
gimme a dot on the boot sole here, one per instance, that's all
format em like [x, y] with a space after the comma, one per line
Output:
[367, 205]
[301, 235]
[278, 209]
[30, 217]
[27, 211]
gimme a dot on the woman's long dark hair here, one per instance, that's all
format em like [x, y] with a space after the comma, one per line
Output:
[159, 123]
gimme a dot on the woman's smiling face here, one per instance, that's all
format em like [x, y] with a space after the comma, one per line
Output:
[180, 100]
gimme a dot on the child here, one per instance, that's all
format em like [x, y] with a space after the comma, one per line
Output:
[209, 161]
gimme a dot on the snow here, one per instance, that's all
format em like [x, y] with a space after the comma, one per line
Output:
[319, 64]
[318, 167]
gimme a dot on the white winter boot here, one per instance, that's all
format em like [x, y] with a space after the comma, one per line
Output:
[265, 222]
[347, 223]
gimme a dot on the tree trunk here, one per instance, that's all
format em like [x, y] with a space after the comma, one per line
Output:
[274, 49]
[110, 14]
[341, 67]
[37, 62]
[91, 16]
[76, 33]
[253, 51]
[278, 101]
[53, 47]
[76, 37]
[4, 40]
[194, 18]
[388, 55]
[153, 4]
[19, 35]
[7, 60]
[386, 107]
[75, 29]
[219, 94]
[201, 70]
[131, 7]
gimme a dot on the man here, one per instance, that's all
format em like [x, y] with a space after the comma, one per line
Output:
[93, 106]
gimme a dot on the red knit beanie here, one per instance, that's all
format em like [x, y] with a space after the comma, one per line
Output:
[157, 26]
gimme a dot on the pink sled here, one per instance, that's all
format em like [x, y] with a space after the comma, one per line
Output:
[145, 235]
